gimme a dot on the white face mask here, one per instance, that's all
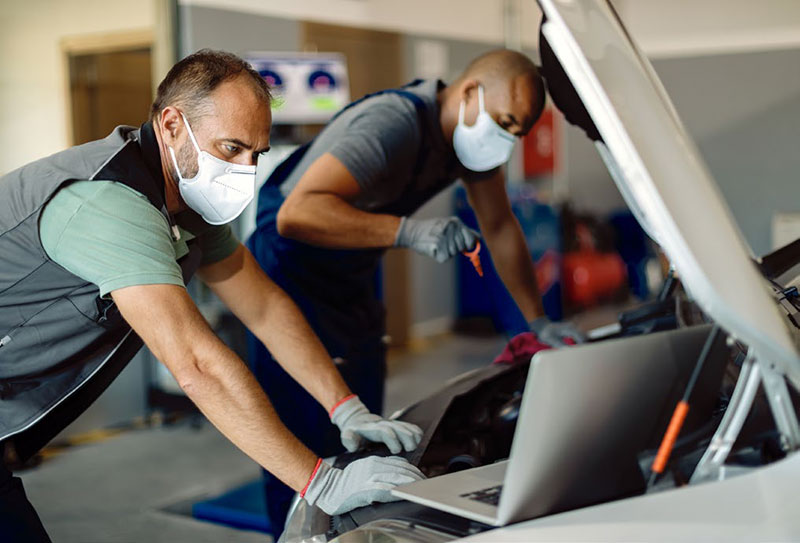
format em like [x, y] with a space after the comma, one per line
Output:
[221, 190]
[484, 145]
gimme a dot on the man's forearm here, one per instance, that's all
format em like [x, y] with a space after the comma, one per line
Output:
[319, 211]
[514, 264]
[325, 220]
[273, 317]
[219, 383]
[503, 235]
[228, 395]
[292, 342]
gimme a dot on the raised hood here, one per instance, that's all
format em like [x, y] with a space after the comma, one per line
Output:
[621, 104]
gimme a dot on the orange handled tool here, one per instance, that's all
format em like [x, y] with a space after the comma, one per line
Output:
[474, 257]
[671, 435]
[679, 415]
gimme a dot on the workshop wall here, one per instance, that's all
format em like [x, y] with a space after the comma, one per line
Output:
[743, 111]
[461, 20]
[234, 31]
[731, 69]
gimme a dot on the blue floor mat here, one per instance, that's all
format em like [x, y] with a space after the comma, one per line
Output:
[242, 507]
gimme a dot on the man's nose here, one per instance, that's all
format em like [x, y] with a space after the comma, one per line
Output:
[246, 159]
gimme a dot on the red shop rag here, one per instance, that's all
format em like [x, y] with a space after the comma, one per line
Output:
[521, 349]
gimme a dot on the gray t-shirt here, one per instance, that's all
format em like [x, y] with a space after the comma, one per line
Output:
[398, 164]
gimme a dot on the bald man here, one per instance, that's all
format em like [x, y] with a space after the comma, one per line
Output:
[328, 213]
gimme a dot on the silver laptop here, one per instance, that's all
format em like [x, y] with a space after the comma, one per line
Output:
[586, 413]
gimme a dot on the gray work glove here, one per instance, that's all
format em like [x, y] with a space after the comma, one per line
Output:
[361, 483]
[356, 424]
[556, 334]
[441, 238]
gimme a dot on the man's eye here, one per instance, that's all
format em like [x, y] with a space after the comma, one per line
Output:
[233, 149]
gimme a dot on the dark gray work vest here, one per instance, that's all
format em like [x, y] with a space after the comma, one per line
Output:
[61, 345]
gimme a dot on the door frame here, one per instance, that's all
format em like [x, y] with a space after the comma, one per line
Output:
[107, 42]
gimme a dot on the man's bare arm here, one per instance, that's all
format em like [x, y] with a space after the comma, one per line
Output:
[274, 318]
[214, 378]
[503, 235]
[318, 211]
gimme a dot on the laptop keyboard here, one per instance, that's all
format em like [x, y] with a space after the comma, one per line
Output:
[489, 495]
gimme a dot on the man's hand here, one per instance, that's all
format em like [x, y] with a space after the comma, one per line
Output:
[361, 483]
[440, 238]
[357, 424]
[557, 334]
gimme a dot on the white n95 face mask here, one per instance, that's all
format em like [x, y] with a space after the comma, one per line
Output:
[484, 145]
[220, 190]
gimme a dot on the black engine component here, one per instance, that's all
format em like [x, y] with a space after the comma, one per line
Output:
[477, 428]
[468, 424]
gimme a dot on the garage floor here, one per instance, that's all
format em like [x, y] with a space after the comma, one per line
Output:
[116, 490]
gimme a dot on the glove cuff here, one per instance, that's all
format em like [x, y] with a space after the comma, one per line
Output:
[347, 408]
[340, 403]
[311, 478]
[399, 238]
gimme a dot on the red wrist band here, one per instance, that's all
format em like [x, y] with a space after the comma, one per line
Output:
[340, 402]
[316, 469]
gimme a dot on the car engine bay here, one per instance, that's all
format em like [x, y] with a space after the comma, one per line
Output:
[470, 422]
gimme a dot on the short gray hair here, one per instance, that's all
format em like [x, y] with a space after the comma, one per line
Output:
[192, 79]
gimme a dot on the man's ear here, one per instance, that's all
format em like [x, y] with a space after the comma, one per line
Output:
[467, 88]
[171, 125]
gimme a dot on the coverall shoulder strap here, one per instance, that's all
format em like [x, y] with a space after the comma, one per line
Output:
[285, 168]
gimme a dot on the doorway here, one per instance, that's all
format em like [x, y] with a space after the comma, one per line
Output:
[109, 83]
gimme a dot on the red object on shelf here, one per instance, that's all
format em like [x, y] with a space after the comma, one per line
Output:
[590, 276]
